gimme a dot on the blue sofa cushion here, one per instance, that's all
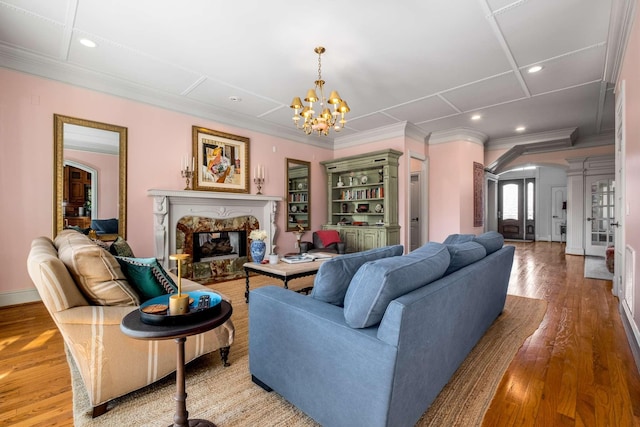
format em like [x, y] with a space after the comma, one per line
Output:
[105, 226]
[334, 275]
[464, 254]
[454, 239]
[491, 240]
[379, 282]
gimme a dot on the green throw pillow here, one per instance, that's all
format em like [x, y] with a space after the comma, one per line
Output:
[147, 277]
[120, 247]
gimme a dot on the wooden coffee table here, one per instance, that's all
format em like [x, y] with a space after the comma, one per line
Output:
[284, 271]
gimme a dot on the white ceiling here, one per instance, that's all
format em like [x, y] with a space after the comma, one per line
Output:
[433, 63]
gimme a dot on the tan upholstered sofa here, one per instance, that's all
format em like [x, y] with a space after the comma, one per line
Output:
[110, 363]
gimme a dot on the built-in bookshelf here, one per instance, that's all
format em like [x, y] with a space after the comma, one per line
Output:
[363, 199]
[298, 197]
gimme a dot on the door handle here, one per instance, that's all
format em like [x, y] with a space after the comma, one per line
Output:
[590, 219]
[555, 216]
[615, 224]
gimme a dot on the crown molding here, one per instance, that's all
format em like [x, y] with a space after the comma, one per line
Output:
[458, 134]
[396, 130]
[71, 74]
[620, 25]
[564, 137]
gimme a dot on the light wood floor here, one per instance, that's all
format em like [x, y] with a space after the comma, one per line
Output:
[576, 370]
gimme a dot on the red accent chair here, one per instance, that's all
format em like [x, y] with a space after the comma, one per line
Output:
[324, 241]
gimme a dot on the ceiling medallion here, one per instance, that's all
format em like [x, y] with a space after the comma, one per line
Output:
[327, 119]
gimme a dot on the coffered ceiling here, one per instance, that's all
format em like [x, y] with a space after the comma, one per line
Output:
[433, 63]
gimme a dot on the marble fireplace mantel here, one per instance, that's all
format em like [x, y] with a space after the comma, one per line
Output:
[171, 205]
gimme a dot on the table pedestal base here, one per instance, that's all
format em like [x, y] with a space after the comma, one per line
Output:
[198, 423]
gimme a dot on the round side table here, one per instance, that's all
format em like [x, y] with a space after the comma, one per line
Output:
[133, 327]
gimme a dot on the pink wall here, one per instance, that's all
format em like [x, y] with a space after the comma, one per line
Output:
[157, 141]
[629, 74]
[451, 188]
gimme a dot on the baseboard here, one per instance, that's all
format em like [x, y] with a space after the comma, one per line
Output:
[574, 251]
[19, 297]
[633, 334]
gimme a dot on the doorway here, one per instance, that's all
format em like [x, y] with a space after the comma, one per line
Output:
[414, 215]
[558, 214]
[516, 209]
[600, 210]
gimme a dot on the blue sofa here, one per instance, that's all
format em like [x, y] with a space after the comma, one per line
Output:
[381, 333]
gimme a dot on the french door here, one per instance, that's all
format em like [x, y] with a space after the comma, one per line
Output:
[516, 209]
[600, 210]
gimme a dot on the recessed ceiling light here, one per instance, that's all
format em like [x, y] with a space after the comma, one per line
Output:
[520, 129]
[88, 43]
[535, 69]
[235, 98]
[476, 117]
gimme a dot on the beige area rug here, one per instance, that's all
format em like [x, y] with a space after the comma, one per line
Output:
[227, 397]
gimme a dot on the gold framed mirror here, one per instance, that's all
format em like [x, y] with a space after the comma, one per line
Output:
[89, 175]
[298, 191]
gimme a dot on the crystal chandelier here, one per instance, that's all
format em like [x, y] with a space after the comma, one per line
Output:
[327, 119]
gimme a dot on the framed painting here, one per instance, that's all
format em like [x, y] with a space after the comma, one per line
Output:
[478, 197]
[221, 161]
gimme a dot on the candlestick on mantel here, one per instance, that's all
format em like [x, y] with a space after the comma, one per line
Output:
[186, 172]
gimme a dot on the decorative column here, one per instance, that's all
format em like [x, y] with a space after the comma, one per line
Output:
[160, 229]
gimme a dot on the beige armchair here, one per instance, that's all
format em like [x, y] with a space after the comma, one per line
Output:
[110, 363]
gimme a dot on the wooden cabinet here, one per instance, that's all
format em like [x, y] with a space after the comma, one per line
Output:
[78, 221]
[76, 189]
[363, 199]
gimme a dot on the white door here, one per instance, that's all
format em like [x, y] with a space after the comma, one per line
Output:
[600, 213]
[619, 251]
[558, 213]
[415, 203]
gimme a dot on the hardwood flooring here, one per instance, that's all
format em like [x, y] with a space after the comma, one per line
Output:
[575, 370]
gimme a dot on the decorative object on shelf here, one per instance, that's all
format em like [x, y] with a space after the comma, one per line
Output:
[362, 207]
[340, 183]
[221, 161]
[326, 119]
[380, 175]
[179, 303]
[379, 208]
[351, 178]
[187, 171]
[363, 179]
[258, 246]
[294, 208]
[258, 179]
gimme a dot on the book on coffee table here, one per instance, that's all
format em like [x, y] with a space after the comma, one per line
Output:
[305, 257]
[295, 259]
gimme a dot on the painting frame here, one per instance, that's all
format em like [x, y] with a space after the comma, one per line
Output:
[221, 161]
[478, 194]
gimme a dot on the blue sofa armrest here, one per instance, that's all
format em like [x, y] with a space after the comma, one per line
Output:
[302, 348]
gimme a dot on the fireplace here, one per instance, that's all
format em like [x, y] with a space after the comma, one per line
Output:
[218, 247]
[181, 215]
[210, 246]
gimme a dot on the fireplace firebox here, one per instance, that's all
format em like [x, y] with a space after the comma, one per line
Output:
[211, 246]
